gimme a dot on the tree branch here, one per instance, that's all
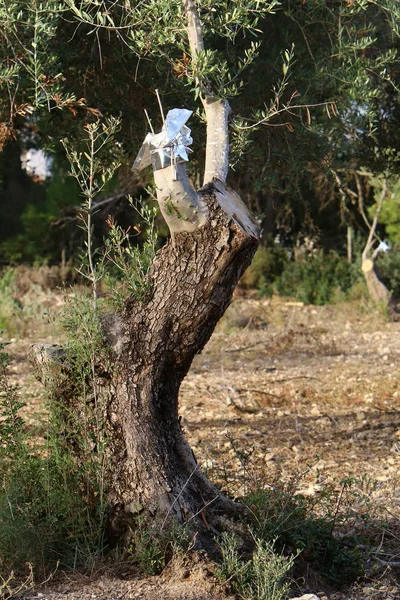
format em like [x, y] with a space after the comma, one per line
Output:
[194, 28]
[372, 231]
[217, 109]
[182, 207]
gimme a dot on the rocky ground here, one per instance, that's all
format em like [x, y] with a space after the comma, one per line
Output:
[283, 395]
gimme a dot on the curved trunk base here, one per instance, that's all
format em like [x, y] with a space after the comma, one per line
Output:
[376, 289]
[173, 491]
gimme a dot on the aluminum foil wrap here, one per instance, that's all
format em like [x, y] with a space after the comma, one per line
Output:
[383, 247]
[170, 146]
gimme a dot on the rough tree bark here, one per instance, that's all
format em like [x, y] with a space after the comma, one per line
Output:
[153, 344]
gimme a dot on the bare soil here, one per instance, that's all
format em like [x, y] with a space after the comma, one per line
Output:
[283, 394]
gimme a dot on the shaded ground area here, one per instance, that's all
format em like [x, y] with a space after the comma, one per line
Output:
[283, 393]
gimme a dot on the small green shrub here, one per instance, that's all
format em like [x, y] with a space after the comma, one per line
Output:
[260, 577]
[47, 515]
[316, 279]
[291, 520]
[11, 424]
[267, 265]
[51, 508]
[152, 546]
[128, 265]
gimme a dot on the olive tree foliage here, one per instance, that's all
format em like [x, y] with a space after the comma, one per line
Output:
[312, 86]
[30, 76]
[47, 80]
[31, 58]
[152, 28]
[346, 53]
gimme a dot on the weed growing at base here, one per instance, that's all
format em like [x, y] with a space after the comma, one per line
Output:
[49, 504]
[152, 546]
[306, 527]
[262, 576]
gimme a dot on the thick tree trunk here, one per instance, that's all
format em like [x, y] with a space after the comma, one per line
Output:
[153, 343]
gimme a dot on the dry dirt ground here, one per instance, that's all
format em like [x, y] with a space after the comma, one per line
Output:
[283, 394]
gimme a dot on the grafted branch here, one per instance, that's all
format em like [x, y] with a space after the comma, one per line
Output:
[180, 204]
[217, 109]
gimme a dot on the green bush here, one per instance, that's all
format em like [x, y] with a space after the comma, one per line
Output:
[317, 279]
[47, 515]
[267, 265]
[290, 521]
[153, 545]
[50, 505]
[259, 577]
[312, 279]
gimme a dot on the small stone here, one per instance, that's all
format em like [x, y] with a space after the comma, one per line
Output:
[307, 597]
[269, 456]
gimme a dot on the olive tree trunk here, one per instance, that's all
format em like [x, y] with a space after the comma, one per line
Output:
[153, 345]
[377, 290]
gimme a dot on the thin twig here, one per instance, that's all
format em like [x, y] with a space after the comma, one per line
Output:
[149, 121]
[297, 377]
[372, 231]
[242, 348]
[160, 105]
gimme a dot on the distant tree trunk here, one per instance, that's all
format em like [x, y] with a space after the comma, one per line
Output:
[376, 289]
